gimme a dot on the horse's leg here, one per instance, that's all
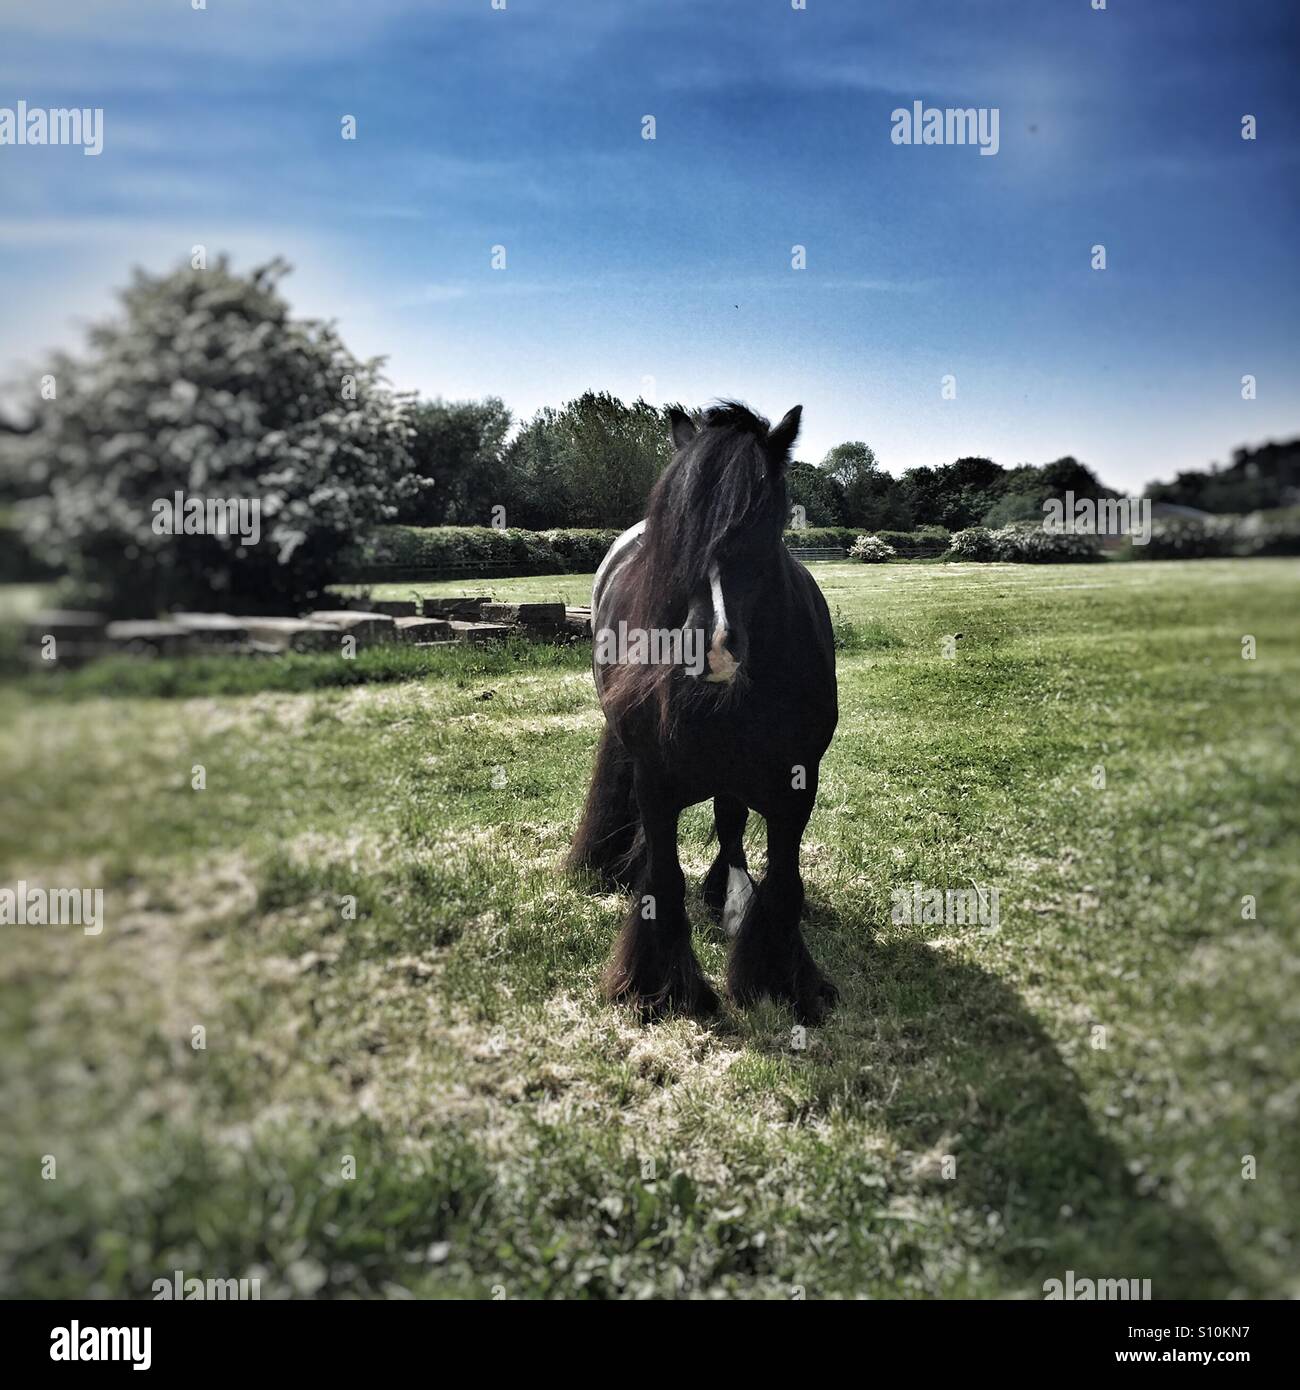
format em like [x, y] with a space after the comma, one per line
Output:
[769, 958]
[652, 966]
[728, 886]
[608, 839]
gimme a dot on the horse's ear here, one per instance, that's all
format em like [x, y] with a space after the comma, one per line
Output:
[683, 427]
[783, 436]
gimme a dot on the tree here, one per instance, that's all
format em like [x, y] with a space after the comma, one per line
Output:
[851, 463]
[1069, 475]
[955, 495]
[457, 450]
[871, 497]
[592, 463]
[205, 386]
[820, 496]
[1026, 488]
[1257, 479]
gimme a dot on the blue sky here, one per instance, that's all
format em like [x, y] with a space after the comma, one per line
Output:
[664, 267]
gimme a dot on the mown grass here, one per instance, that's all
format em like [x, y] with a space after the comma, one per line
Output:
[421, 1093]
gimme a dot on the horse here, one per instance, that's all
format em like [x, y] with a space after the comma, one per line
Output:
[714, 663]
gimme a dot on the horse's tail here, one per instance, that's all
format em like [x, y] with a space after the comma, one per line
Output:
[609, 841]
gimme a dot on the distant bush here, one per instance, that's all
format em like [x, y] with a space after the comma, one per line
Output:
[871, 550]
[1023, 544]
[397, 552]
[1189, 538]
[1275, 532]
[820, 537]
[974, 543]
[924, 541]
[1270, 533]
[1027, 543]
[581, 550]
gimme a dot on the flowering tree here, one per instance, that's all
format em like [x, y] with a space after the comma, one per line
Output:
[204, 390]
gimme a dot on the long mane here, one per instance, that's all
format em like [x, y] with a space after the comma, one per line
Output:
[710, 492]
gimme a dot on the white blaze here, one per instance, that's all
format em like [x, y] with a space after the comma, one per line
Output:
[722, 666]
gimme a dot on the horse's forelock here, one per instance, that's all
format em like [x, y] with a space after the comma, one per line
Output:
[707, 494]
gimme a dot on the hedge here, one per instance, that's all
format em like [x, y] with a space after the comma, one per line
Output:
[1025, 543]
[1199, 538]
[820, 537]
[414, 552]
[581, 551]
[1270, 533]
[925, 540]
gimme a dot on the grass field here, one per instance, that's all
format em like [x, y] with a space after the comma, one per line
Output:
[427, 1097]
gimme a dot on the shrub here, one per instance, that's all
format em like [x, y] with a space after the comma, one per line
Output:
[923, 543]
[814, 537]
[205, 386]
[1190, 538]
[580, 550]
[1024, 544]
[871, 550]
[392, 551]
[1027, 543]
[974, 543]
[1270, 533]
[399, 552]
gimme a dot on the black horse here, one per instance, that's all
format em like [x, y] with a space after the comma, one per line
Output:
[715, 666]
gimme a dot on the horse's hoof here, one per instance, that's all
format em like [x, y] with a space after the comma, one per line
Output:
[691, 997]
[810, 994]
[814, 1000]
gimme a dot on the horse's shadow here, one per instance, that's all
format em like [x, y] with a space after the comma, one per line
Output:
[957, 1068]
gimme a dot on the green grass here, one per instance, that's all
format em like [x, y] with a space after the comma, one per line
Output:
[509, 1132]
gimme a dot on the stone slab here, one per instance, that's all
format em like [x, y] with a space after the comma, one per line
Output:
[463, 608]
[478, 632]
[149, 637]
[293, 634]
[422, 629]
[365, 627]
[393, 607]
[544, 615]
[66, 624]
[216, 629]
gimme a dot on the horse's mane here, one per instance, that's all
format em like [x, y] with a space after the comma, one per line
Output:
[703, 498]
[710, 492]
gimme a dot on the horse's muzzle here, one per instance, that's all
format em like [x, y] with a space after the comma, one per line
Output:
[722, 665]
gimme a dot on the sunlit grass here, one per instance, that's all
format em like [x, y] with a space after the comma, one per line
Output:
[362, 909]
